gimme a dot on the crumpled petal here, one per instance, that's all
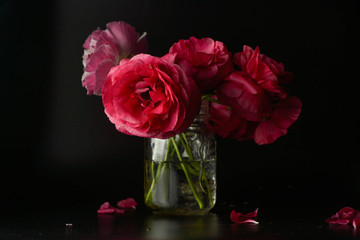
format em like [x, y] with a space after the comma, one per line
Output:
[107, 209]
[346, 216]
[123, 206]
[127, 203]
[244, 218]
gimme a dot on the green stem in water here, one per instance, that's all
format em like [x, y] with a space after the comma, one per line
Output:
[186, 145]
[196, 196]
[202, 173]
[154, 179]
[159, 171]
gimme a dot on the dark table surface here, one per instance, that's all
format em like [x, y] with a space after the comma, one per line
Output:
[84, 223]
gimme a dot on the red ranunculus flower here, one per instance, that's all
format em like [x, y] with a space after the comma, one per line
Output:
[266, 72]
[244, 95]
[226, 122]
[265, 109]
[229, 123]
[149, 97]
[104, 50]
[206, 60]
[283, 115]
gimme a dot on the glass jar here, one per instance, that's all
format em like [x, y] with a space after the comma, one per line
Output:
[180, 172]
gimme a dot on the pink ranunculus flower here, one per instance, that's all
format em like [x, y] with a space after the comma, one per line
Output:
[206, 60]
[104, 49]
[147, 96]
[266, 72]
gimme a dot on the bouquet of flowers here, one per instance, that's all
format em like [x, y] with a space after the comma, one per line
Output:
[159, 97]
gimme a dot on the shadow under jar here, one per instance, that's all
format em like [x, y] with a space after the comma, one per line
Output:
[180, 172]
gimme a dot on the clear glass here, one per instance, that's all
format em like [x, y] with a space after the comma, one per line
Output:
[180, 172]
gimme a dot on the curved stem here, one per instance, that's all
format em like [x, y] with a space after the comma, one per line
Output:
[153, 180]
[186, 145]
[196, 196]
[159, 171]
[202, 172]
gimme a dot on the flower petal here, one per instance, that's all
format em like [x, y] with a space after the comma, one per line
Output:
[95, 35]
[124, 35]
[208, 61]
[345, 216]
[100, 75]
[107, 209]
[257, 69]
[243, 82]
[287, 112]
[267, 132]
[127, 203]
[110, 211]
[103, 52]
[205, 45]
[207, 73]
[244, 218]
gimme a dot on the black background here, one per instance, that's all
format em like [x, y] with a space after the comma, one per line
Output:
[59, 150]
